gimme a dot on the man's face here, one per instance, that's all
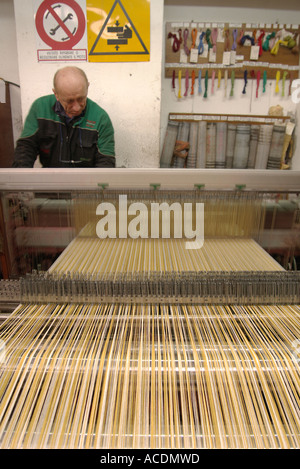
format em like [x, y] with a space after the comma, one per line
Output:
[72, 97]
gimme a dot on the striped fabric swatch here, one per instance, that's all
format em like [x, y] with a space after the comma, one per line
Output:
[169, 144]
[241, 147]
[278, 136]
[253, 146]
[201, 145]
[263, 146]
[221, 141]
[211, 132]
[231, 135]
[182, 140]
[193, 138]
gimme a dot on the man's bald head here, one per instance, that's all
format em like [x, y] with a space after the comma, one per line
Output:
[70, 86]
[74, 75]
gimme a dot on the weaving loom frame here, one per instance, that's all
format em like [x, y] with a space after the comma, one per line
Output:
[198, 369]
[63, 179]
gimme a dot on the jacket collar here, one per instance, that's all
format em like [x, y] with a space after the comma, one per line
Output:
[58, 108]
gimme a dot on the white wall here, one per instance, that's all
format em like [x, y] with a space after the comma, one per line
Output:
[9, 61]
[129, 92]
[217, 102]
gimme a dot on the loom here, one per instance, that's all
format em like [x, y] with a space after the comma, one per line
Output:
[140, 342]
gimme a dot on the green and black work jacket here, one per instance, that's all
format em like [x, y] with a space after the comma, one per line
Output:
[83, 142]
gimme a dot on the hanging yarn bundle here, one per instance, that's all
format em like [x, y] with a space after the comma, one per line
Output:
[206, 84]
[176, 40]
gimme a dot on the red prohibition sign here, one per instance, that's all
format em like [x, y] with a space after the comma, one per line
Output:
[73, 39]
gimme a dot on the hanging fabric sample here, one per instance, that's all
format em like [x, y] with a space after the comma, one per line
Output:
[241, 147]
[253, 146]
[192, 156]
[201, 145]
[211, 145]
[274, 159]
[221, 144]
[263, 146]
[231, 132]
[182, 145]
[169, 144]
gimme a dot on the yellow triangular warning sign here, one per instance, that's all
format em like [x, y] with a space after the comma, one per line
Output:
[119, 31]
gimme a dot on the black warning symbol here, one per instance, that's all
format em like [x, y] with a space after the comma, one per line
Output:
[120, 39]
[123, 34]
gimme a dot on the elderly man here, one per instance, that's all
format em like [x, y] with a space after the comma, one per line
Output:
[66, 129]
